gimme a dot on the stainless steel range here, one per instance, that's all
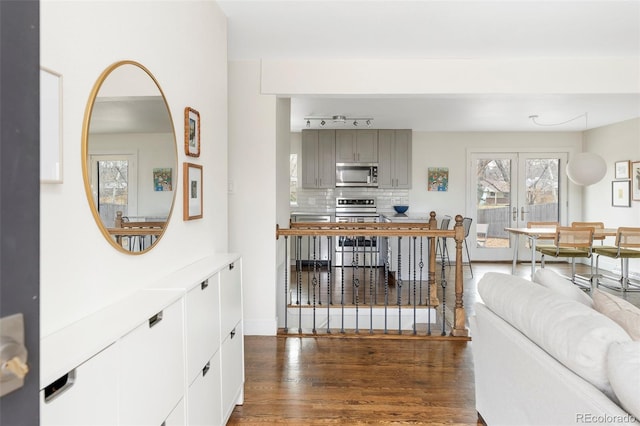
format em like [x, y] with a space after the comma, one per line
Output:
[358, 251]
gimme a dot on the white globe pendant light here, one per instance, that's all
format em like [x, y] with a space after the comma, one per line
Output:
[586, 168]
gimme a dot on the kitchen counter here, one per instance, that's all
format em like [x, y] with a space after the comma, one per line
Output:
[411, 217]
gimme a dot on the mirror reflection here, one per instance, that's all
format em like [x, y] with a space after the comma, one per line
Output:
[130, 157]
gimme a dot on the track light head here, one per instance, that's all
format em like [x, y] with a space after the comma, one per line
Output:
[308, 124]
[322, 123]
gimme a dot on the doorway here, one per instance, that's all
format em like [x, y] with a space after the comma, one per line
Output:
[510, 189]
[114, 182]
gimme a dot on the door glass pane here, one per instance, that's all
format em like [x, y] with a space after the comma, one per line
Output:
[541, 189]
[113, 193]
[493, 200]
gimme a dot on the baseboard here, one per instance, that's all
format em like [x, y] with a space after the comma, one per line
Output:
[260, 327]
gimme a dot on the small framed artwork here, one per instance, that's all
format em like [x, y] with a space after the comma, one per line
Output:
[438, 179]
[622, 169]
[162, 179]
[192, 197]
[191, 132]
[50, 126]
[621, 193]
[635, 180]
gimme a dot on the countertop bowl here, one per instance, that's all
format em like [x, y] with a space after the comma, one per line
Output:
[401, 209]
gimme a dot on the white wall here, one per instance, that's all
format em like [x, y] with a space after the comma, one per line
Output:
[616, 142]
[252, 196]
[184, 45]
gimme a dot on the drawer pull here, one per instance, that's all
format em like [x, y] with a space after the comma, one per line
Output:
[155, 319]
[231, 266]
[206, 368]
[204, 284]
[59, 386]
[233, 333]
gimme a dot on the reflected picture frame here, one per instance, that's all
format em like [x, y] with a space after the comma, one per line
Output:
[622, 169]
[191, 132]
[192, 191]
[621, 193]
[635, 180]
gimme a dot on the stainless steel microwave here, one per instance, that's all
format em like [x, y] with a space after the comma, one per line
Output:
[357, 174]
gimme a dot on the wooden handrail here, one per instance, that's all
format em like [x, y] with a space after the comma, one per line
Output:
[399, 229]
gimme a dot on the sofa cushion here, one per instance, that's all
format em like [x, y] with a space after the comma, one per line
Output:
[624, 374]
[619, 310]
[574, 334]
[561, 285]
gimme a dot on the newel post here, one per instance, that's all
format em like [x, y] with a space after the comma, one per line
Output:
[433, 293]
[459, 315]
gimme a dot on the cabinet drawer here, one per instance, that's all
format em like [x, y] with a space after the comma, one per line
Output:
[230, 297]
[151, 368]
[177, 416]
[87, 395]
[204, 403]
[202, 324]
[232, 358]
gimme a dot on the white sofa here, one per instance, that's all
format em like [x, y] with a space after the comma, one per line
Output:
[543, 355]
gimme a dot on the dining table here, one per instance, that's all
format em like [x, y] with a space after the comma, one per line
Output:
[535, 234]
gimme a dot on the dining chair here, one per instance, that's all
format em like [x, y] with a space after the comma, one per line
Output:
[466, 224]
[627, 246]
[570, 242]
[595, 225]
[441, 243]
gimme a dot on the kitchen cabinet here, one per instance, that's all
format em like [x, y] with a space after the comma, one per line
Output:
[168, 354]
[318, 158]
[357, 146]
[394, 165]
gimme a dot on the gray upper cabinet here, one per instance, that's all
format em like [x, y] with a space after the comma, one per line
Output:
[394, 167]
[318, 158]
[357, 146]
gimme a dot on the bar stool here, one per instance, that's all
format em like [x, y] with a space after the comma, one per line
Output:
[627, 247]
[441, 243]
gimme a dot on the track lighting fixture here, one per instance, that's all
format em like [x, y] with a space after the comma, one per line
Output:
[339, 120]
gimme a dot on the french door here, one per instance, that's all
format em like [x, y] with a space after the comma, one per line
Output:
[114, 185]
[509, 189]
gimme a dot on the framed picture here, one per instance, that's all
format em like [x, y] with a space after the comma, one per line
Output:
[191, 132]
[621, 193]
[438, 179]
[162, 179]
[192, 197]
[622, 169]
[50, 126]
[635, 180]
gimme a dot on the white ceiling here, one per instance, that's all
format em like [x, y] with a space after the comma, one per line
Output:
[366, 29]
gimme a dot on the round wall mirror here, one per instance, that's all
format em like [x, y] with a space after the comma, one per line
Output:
[129, 157]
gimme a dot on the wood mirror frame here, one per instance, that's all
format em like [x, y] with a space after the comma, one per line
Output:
[128, 135]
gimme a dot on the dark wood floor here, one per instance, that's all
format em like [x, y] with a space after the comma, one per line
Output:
[320, 380]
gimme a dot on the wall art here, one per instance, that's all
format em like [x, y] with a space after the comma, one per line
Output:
[191, 132]
[622, 169]
[635, 180]
[192, 197]
[438, 179]
[50, 126]
[162, 179]
[621, 193]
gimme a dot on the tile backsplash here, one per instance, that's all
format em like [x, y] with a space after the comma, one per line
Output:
[323, 200]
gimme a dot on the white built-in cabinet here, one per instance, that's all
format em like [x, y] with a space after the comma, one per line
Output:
[394, 152]
[318, 158]
[357, 146]
[171, 354]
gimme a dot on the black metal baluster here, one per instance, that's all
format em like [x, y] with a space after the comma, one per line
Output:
[428, 301]
[421, 265]
[308, 272]
[371, 290]
[287, 294]
[356, 280]
[342, 288]
[443, 283]
[299, 289]
[329, 292]
[386, 286]
[399, 286]
[414, 286]
[314, 284]
[317, 260]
